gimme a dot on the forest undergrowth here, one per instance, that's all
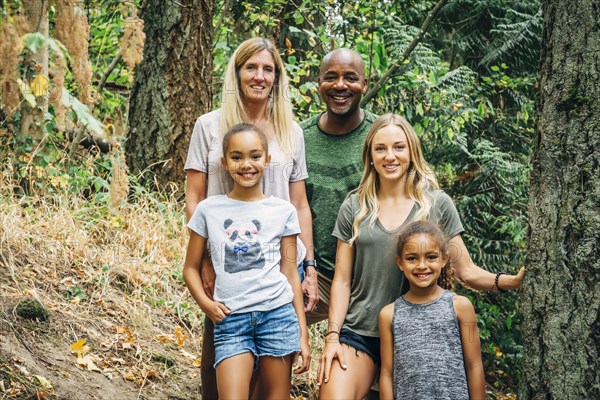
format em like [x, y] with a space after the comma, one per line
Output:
[120, 324]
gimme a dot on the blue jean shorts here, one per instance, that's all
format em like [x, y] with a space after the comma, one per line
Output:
[274, 333]
[367, 344]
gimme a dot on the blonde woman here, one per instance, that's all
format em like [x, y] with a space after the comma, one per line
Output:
[255, 91]
[397, 187]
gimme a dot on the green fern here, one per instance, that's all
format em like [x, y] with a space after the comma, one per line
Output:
[517, 43]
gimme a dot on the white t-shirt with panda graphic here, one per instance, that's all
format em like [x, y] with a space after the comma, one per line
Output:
[244, 241]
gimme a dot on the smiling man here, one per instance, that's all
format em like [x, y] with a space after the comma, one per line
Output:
[334, 141]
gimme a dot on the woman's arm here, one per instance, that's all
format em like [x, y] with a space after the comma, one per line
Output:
[191, 275]
[338, 307]
[300, 202]
[469, 334]
[195, 191]
[290, 270]
[475, 277]
[386, 388]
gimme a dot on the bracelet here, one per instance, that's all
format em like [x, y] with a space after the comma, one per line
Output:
[330, 332]
[496, 281]
[310, 263]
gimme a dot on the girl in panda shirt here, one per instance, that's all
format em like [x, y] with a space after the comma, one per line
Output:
[258, 308]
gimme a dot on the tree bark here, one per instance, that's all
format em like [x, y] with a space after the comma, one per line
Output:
[32, 119]
[172, 87]
[561, 295]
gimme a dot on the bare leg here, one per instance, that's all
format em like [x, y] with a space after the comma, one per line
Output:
[233, 376]
[276, 377]
[208, 376]
[352, 383]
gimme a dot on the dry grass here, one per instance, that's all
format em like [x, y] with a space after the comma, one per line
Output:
[111, 276]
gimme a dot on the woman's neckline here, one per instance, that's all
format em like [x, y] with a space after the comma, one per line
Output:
[394, 230]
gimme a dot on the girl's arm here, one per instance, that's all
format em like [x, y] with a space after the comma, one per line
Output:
[195, 192]
[290, 270]
[475, 277]
[386, 389]
[469, 334]
[300, 202]
[191, 275]
[338, 307]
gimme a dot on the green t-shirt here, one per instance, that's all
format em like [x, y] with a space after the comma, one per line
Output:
[376, 279]
[334, 168]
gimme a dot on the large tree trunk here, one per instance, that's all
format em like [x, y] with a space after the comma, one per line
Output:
[32, 119]
[172, 87]
[561, 297]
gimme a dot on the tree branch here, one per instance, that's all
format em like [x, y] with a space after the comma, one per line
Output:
[108, 71]
[394, 68]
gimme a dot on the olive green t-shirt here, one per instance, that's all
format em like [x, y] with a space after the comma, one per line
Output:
[376, 279]
[334, 168]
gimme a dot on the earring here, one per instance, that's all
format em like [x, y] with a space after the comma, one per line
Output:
[371, 162]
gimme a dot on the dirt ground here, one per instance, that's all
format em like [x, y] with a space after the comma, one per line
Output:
[36, 362]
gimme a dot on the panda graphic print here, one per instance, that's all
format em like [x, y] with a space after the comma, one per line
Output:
[244, 243]
[244, 249]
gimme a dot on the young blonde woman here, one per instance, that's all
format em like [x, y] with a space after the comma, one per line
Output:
[255, 91]
[397, 187]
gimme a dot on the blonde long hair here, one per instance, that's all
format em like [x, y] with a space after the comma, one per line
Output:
[420, 178]
[279, 108]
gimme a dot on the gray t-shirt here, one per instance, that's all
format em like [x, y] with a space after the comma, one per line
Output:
[206, 151]
[244, 240]
[376, 279]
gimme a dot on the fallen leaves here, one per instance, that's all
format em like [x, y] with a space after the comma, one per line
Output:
[89, 362]
[179, 337]
[196, 361]
[80, 348]
[85, 360]
[43, 382]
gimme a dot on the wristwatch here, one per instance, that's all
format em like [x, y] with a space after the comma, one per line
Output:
[310, 263]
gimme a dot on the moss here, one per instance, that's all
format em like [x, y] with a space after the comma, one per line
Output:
[30, 308]
[573, 99]
[159, 358]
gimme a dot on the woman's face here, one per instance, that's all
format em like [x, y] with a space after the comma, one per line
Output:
[257, 76]
[390, 153]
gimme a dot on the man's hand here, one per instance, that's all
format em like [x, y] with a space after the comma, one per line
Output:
[310, 288]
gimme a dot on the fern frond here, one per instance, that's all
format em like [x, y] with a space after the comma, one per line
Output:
[517, 41]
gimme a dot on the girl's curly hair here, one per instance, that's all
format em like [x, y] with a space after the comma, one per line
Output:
[447, 276]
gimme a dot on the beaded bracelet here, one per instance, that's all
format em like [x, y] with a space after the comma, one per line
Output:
[496, 281]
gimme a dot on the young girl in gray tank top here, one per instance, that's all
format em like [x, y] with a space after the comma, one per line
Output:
[429, 339]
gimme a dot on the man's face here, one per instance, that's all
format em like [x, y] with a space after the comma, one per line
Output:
[342, 83]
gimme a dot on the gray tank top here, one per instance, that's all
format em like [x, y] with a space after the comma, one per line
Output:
[428, 356]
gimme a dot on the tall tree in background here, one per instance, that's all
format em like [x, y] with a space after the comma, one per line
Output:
[172, 86]
[32, 118]
[561, 298]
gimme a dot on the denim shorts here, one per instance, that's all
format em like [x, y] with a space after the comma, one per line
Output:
[274, 333]
[367, 344]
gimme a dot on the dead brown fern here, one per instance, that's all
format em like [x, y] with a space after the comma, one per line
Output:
[73, 30]
[132, 42]
[119, 183]
[9, 62]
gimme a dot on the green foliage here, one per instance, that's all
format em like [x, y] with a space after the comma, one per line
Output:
[468, 88]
